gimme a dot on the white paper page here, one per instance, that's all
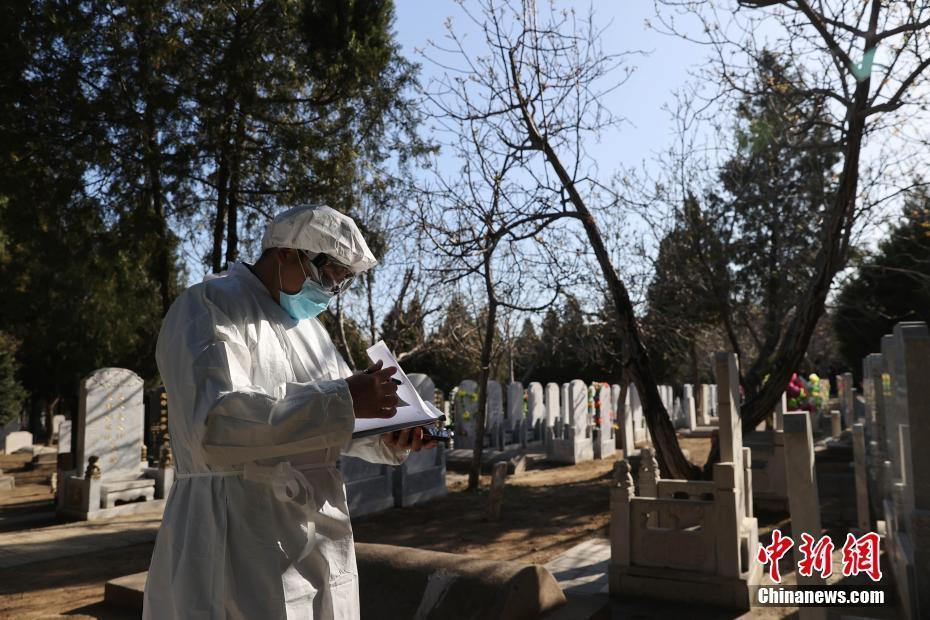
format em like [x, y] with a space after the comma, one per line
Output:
[414, 410]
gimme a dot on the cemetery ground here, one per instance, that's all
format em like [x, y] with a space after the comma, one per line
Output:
[547, 511]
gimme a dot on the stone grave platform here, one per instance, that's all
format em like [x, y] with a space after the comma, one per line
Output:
[420, 583]
[459, 459]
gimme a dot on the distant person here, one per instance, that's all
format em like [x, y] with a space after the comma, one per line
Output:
[261, 405]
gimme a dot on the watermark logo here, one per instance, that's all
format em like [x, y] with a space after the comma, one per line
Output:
[860, 555]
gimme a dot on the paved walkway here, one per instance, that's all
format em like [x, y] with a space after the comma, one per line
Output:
[582, 570]
[70, 539]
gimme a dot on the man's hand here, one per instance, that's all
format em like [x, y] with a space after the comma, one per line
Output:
[374, 393]
[409, 439]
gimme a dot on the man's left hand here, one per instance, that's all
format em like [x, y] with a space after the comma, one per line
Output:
[409, 439]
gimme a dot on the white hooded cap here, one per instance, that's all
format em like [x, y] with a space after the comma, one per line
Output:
[320, 230]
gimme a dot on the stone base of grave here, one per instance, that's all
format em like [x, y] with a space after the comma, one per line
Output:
[7, 482]
[699, 432]
[419, 583]
[605, 448]
[836, 482]
[570, 451]
[369, 486]
[459, 460]
[422, 477]
[686, 586]
[769, 484]
[92, 499]
[152, 507]
[899, 551]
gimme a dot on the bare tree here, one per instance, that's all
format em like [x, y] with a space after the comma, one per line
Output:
[870, 61]
[533, 96]
[486, 229]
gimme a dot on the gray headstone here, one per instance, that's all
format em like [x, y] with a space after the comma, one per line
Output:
[495, 404]
[110, 422]
[424, 386]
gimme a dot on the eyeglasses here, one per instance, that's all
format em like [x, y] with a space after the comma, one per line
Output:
[331, 274]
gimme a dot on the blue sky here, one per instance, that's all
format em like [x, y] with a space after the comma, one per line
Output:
[648, 128]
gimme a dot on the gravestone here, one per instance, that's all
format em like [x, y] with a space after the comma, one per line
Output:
[577, 446]
[845, 394]
[64, 437]
[369, 486]
[10, 427]
[605, 444]
[495, 414]
[110, 421]
[906, 504]
[515, 429]
[466, 408]
[423, 475]
[640, 433]
[16, 441]
[108, 429]
[678, 414]
[690, 411]
[803, 500]
[535, 413]
[553, 411]
[56, 426]
[624, 420]
[564, 415]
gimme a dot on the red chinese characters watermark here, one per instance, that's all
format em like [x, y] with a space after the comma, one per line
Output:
[773, 552]
[817, 556]
[860, 555]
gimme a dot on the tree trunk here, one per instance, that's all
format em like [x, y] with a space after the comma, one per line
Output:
[671, 459]
[370, 284]
[152, 156]
[341, 328]
[219, 223]
[235, 179]
[830, 259]
[474, 472]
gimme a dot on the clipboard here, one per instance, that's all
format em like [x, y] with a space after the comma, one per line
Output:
[412, 412]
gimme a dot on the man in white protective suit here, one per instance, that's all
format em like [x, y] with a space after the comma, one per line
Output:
[261, 405]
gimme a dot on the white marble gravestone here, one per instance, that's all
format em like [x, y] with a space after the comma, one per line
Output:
[466, 408]
[17, 440]
[110, 423]
[553, 410]
[577, 444]
[515, 421]
[109, 431]
[64, 437]
[688, 404]
[535, 412]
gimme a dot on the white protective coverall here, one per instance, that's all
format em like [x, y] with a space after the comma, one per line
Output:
[256, 524]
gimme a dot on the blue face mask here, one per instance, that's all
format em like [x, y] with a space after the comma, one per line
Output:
[306, 303]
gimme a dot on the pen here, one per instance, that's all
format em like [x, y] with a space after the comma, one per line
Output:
[396, 381]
